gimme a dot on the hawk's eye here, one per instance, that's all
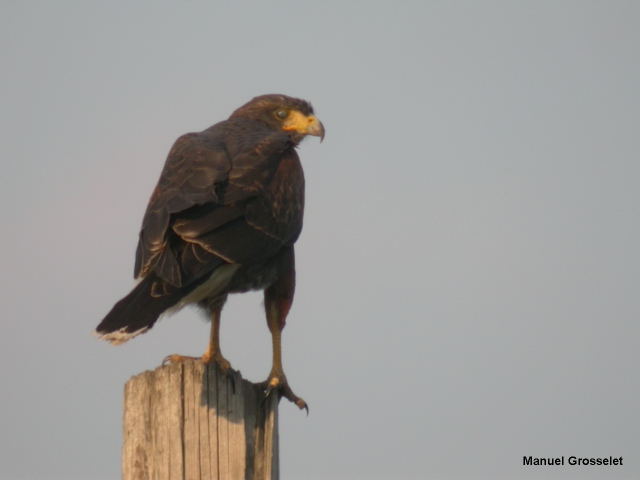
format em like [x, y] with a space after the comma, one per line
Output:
[282, 114]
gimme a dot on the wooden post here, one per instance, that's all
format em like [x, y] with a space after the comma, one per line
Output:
[188, 421]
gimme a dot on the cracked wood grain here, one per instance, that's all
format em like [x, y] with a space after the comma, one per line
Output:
[188, 421]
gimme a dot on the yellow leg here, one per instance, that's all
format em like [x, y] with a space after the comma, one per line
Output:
[277, 372]
[213, 353]
[277, 301]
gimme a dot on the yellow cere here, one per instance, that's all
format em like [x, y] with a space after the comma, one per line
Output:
[299, 122]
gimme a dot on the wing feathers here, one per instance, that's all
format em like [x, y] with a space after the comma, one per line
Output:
[238, 242]
[205, 219]
[209, 202]
[196, 163]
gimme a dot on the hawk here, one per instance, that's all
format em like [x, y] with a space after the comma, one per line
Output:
[224, 218]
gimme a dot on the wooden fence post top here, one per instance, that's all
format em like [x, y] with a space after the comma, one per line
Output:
[189, 421]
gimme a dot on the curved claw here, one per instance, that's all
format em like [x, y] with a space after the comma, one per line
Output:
[175, 358]
[289, 395]
[282, 387]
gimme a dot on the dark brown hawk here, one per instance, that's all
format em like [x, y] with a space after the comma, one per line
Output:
[223, 218]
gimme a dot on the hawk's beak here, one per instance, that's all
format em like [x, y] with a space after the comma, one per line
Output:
[315, 127]
[304, 124]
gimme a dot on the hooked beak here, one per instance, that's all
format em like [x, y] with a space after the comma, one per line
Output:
[315, 127]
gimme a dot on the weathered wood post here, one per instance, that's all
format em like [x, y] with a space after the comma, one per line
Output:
[188, 421]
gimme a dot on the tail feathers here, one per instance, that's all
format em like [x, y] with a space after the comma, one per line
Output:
[136, 313]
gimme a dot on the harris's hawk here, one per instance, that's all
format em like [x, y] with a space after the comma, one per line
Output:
[222, 219]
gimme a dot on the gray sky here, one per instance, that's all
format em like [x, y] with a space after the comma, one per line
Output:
[468, 272]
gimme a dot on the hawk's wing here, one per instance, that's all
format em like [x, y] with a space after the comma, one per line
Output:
[196, 212]
[193, 167]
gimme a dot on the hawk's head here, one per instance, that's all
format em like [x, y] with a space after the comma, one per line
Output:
[283, 113]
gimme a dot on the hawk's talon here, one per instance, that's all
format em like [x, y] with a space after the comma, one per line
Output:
[176, 358]
[223, 364]
[279, 383]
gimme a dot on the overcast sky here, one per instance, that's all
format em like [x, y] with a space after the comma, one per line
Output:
[468, 272]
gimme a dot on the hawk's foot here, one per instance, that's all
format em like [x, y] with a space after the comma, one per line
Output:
[222, 363]
[217, 358]
[175, 358]
[277, 382]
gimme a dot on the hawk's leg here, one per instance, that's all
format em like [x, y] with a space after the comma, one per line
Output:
[213, 353]
[277, 301]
